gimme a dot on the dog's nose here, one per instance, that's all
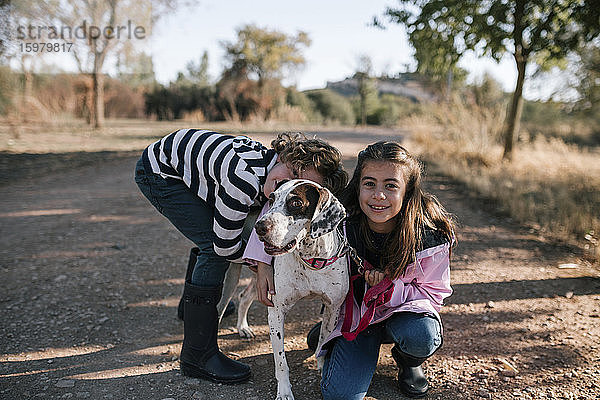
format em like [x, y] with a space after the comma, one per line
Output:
[262, 227]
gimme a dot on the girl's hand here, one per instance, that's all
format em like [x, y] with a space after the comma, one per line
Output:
[373, 277]
[265, 287]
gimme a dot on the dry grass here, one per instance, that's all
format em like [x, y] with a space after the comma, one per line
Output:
[60, 135]
[550, 186]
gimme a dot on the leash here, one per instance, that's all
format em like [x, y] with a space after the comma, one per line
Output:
[374, 296]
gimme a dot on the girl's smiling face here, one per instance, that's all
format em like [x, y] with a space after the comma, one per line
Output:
[381, 193]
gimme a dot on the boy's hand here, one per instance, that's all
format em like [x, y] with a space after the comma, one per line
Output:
[265, 287]
[373, 277]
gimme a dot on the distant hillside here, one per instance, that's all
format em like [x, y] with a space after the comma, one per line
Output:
[406, 85]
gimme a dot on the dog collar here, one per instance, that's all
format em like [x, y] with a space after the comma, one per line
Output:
[318, 263]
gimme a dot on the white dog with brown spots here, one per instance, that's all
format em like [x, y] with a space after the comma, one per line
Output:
[300, 230]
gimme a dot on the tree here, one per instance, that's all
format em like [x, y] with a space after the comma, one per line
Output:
[332, 106]
[198, 73]
[543, 31]
[366, 86]
[96, 29]
[587, 72]
[264, 57]
[269, 54]
[136, 69]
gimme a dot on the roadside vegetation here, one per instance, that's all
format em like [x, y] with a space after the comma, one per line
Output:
[551, 182]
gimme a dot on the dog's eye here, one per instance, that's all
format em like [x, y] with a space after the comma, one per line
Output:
[271, 199]
[295, 203]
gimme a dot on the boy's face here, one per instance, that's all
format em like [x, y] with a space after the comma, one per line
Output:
[282, 171]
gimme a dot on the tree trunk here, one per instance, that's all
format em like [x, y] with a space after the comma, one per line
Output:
[97, 111]
[363, 110]
[513, 117]
[97, 114]
[362, 92]
[27, 94]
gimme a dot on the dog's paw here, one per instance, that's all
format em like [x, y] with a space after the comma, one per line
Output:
[284, 391]
[246, 332]
[289, 396]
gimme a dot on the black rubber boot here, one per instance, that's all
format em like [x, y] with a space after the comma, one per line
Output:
[188, 277]
[312, 339]
[230, 309]
[200, 355]
[411, 378]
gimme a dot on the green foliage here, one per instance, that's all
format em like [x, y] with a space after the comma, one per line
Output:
[540, 112]
[365, 104]
[442, 30]
[332, 106]
[488, 93]
[545, 31]
[170, 102]
[551, 119]
[299, 99]
[266, 53]
[197, 73]
[391, 109]
[258, 60]
[367, 91]
[136, 69]
[588, 76]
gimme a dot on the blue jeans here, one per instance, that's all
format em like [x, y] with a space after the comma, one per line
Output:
[349, 365]
[191, 215]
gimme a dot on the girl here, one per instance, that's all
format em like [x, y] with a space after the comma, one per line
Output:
[205, 183]
[406, 235]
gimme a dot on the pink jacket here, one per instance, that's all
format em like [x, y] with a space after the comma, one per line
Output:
[422, 289]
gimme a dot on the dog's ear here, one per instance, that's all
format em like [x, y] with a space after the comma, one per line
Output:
[328, 214]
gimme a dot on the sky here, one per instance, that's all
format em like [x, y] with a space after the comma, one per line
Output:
[339, 31]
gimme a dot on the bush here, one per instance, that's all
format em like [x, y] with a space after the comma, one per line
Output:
[332, 106]
[549, 185]
[301, 101]
[122, 101]
[556, 120]
[168, 103]
[391, 109]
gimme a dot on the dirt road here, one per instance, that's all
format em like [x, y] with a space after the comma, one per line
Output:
[91, 276]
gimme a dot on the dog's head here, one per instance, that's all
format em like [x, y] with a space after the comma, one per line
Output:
[299, 208]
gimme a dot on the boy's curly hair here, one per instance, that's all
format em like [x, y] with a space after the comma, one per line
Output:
[301, 152]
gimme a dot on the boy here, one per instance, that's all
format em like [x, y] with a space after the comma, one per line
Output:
[205, 183]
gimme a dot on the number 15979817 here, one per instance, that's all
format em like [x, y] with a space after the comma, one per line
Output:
[39, 47]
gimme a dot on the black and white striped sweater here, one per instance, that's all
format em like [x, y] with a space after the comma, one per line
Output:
[225, 171]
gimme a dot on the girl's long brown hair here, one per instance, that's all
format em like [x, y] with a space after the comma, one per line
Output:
[419, 210]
